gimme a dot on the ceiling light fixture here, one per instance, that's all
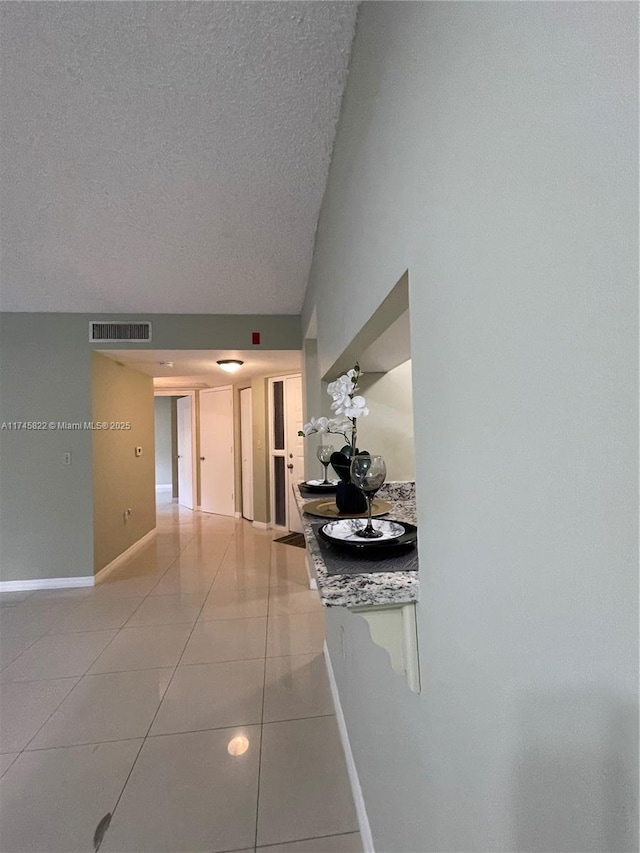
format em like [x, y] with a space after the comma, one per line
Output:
[166, 364]
[230, 364]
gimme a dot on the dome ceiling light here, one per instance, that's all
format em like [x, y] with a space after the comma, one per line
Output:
[231, 365]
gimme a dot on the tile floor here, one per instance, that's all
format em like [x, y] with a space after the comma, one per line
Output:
[187, 695]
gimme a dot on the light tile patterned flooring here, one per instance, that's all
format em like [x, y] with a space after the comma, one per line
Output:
[187, 695]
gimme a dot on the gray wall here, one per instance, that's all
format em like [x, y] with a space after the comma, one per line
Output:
[164, 444]
[491, 150]
[46, 526]
[46, 514]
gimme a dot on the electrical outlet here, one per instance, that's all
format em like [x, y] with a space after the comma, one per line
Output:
[66, 458]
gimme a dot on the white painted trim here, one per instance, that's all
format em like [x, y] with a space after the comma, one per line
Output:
[282, 453]
[247, 482]
[237, 515]
[46, 583]
[352, 770]
[164, 487]
[120, 559]
[261, 525]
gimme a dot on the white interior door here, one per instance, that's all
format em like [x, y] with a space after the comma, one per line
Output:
[246, 438]
[294, 446]
[217, 492]
[185, 452]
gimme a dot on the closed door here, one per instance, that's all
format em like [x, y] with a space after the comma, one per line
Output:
[246, 439]
[185, 452]
[217, 492]
[294, 444]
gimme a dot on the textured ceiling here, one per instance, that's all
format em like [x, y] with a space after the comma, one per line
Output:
[165, 157]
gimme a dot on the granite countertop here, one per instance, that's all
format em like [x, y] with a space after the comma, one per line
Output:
[370, 589]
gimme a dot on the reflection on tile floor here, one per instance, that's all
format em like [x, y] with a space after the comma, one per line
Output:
[187, 695]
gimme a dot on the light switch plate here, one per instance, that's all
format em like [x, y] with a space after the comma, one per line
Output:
[138, 451]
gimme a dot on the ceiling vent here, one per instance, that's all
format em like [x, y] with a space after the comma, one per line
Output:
[107, 332]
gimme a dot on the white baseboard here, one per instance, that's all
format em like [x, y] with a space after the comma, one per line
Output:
[120, 559]
[352, 770]
[261, 525]
[46, 583]
[164, 487]
[238, 515]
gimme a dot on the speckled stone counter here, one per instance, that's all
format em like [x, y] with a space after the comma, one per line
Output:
[370, 589]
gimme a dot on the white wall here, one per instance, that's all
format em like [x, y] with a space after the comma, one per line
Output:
[388, 428]
[491, 150]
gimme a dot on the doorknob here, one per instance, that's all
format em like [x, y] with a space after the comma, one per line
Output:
[290, 467]
[202, 458]
[178, 456]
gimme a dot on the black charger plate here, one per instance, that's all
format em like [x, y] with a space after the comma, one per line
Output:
[406, 539]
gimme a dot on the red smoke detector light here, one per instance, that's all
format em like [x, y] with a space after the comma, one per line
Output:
[255, 338]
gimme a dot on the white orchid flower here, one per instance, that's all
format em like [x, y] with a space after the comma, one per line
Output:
[340, 387]
[339, 403]
[353, 408]
[346, 404]
[316, 425]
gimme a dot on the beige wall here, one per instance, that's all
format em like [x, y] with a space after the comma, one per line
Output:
[388, 428]
[120, 479]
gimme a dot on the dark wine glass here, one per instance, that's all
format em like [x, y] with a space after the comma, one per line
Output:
[324, 455]
[368, 473]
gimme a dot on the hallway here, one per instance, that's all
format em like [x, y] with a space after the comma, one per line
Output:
[187, 695]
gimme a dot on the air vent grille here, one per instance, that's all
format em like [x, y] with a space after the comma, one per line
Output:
[111, 332]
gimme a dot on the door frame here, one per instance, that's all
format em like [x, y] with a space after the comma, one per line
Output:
[272, 452]
[246, 419]
[194, 479]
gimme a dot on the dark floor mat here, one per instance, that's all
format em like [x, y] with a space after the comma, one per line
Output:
[296, 539]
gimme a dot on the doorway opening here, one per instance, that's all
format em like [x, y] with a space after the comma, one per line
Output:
[175, 443]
